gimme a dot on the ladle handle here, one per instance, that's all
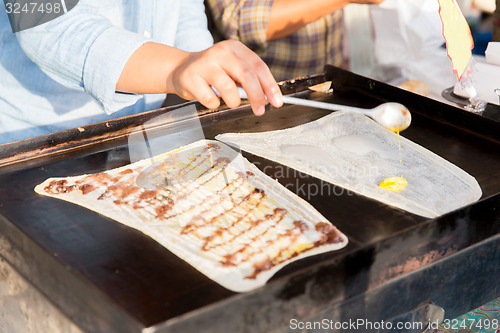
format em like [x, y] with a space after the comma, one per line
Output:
[323, 105]
[312, 104]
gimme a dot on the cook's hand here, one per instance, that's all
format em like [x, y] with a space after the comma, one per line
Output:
[225, 66]
[158, 68]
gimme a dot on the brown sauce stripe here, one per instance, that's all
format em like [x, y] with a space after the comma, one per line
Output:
[278, 212]
[237, 220]
[209, 199]
[191, 226]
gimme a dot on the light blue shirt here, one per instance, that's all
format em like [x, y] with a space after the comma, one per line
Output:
[63, 74]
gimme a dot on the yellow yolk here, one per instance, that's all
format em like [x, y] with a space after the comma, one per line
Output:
[394, 183]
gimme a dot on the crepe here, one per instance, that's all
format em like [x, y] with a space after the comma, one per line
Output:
[212, 208]
[352, 151]
[416, 86]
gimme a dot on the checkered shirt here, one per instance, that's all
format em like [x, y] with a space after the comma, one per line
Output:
[303, 53]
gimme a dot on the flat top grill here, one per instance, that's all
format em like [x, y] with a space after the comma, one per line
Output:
[140, 284]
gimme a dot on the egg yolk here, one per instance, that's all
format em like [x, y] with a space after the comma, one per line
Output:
[394, 183]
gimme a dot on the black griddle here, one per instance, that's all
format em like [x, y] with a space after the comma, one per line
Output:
[107, 277]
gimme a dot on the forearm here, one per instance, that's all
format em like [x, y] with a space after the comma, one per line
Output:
[288, 16]
[83, 50]
[148, 69]
[157, 68]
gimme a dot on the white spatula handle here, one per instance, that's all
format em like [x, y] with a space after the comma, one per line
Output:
[323, 105]
[309, 103]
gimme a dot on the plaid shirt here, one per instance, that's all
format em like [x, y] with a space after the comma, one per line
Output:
[304, 52]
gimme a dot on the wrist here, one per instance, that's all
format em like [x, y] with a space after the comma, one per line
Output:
[178, 59]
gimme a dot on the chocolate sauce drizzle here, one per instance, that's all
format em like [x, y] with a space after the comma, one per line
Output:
[231, 222]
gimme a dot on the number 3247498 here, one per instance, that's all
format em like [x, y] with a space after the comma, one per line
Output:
[456, 324]
[33, 8]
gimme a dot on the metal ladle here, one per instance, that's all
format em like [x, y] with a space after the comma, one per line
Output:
[393, 116]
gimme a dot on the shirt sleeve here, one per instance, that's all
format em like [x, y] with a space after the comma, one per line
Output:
[83, 50]
[244, 20]
[192, 31]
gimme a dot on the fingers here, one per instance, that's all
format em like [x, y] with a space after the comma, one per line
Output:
[225, 66]
[202, 92]
[227, 89]
[209, 82]
[253, 75]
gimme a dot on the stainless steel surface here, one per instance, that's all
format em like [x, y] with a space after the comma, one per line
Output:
[393, 116]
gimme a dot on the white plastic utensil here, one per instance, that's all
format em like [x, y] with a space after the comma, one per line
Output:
[393, 116]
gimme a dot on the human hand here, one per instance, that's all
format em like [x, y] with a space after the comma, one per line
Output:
[225, 66]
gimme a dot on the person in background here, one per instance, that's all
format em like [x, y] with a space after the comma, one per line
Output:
[96, 61]
[496, 22]
[295, 38]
